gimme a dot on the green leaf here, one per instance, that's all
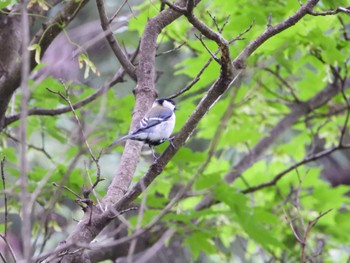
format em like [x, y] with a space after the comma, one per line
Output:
[199, 242]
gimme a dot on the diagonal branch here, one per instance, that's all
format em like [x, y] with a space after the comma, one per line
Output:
[283, 125]
[273, 30]
[113, 42]
[279, 176]
[339, 9]
[118, 77]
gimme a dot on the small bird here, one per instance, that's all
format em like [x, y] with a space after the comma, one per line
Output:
[156, 126]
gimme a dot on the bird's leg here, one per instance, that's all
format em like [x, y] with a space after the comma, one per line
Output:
[171, 141]
[155, 158]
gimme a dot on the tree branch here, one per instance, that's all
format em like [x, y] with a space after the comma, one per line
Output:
[26, 229]
[118, 77]
[283, 125]
[273, 30]
[306, 160]
[113, 42]
[340, 9]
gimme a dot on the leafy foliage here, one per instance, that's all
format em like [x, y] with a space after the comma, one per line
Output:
[287, 70]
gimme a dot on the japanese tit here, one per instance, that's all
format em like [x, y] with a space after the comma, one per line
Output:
[156, 126]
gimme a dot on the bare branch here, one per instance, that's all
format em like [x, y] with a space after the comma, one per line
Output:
[118, 52]
[201, 71]
[307, 232]
[344, 129]
[67, 189]
[2, 163]
[171, 50]
[279, 176]
[118, 77]
[266, 142]
[273, 30]
[117, 12]
[206, 47]
[284, 82]
[30, 146]
[26, 230]
[10, 248]
[194, 81]
[147, 256]
[340, 9]
[292, 228]
[93, 157]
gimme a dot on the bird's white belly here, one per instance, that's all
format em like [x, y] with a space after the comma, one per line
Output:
[162, 130]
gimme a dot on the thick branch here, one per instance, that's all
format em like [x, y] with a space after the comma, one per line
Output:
[145, 94]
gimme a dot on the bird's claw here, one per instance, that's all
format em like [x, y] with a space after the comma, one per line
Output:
[171, 142]
[155, 158]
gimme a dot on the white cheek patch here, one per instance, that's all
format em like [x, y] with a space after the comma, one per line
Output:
[169, 105]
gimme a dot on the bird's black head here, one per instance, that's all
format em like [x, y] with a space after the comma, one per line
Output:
[169, 103]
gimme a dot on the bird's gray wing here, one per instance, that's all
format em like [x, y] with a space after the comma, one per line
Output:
[148, 122]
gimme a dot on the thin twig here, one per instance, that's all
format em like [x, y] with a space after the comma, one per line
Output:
[292, 227]
[284, 82]
[346, 121]
[175, 7]
[205, 66]
[345, 32]
[30, 146]
[147, 256]
[3, 258]
[269, 21]
[67, 189]
[138, 226]
[95, 159]
[194, 81]
[171, 50]
[112, 41]
[117, 12]
[93, 189]
[5, 195]
[215, 22]
[330, 12]
[224, 24]
[307, 232]
[206, 47]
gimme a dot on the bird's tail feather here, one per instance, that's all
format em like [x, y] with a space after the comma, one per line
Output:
[126, 137]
